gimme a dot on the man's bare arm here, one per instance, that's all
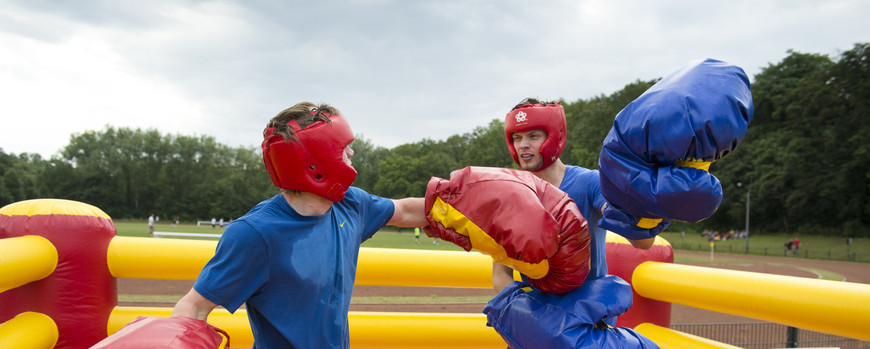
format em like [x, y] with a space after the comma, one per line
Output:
[193, 305]
[502, 276]
[409, 212]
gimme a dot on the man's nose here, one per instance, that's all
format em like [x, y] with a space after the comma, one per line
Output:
[524, 142]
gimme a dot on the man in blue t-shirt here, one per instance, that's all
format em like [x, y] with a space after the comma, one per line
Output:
[292, 259]
[535, 133]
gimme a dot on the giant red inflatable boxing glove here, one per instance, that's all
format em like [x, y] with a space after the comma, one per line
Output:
[177, 332]
[516, 218]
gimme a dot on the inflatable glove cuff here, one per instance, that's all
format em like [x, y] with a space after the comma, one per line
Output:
[631, 227]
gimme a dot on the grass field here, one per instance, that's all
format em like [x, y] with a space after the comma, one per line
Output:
[814, 247]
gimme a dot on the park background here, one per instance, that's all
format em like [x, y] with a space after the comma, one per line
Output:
[802, 170]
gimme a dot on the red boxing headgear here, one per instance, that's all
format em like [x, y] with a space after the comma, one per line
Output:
[550, 118]
[314, 162]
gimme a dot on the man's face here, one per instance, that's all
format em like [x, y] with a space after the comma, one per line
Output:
[347, 154]
[527, 145]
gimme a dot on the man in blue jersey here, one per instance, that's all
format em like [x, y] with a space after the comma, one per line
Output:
[535, 133]
[292, 259]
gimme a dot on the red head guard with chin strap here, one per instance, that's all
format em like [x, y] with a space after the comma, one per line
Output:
[550, 118]
[314, 162]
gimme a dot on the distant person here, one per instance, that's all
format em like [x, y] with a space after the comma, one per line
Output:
[213, 222]
[151, 225]
[417, 234]
[797, 244]
[291, 260]
[221, 222]
[174, 221]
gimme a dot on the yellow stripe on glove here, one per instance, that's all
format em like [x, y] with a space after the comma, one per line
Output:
[449, 217]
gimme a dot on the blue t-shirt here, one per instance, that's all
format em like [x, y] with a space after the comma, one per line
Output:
[294, 273]
[584, 187]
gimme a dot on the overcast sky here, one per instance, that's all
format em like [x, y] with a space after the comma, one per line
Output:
[399, 70]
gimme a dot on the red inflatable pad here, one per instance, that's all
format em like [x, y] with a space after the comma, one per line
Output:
[177, 332]
[81, 292]
[622, 260]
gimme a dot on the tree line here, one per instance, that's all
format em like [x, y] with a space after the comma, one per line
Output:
[805, 160]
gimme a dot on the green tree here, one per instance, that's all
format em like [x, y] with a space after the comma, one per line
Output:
[366, 159]
[851, 80]
[408, 168]
[804, 158]
[186, 180]
[486, 147]
[20, 177]
[392, 181]
[590, 121]
[240, 182]
[133, 173]
[778, 155]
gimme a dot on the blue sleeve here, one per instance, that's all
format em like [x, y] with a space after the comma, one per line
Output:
[584, 187]
[598, 200]
[374, 210]
[238, 269]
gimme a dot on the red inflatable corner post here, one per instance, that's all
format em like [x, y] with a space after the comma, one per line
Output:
[622, 259]
[81, 293]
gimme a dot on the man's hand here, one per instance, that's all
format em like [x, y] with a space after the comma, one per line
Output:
[502, 276]
[193, 305]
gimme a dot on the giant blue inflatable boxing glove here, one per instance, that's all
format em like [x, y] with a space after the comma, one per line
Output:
[654, 162]
[583, 318]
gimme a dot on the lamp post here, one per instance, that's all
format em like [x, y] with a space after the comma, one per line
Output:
[747, 214]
